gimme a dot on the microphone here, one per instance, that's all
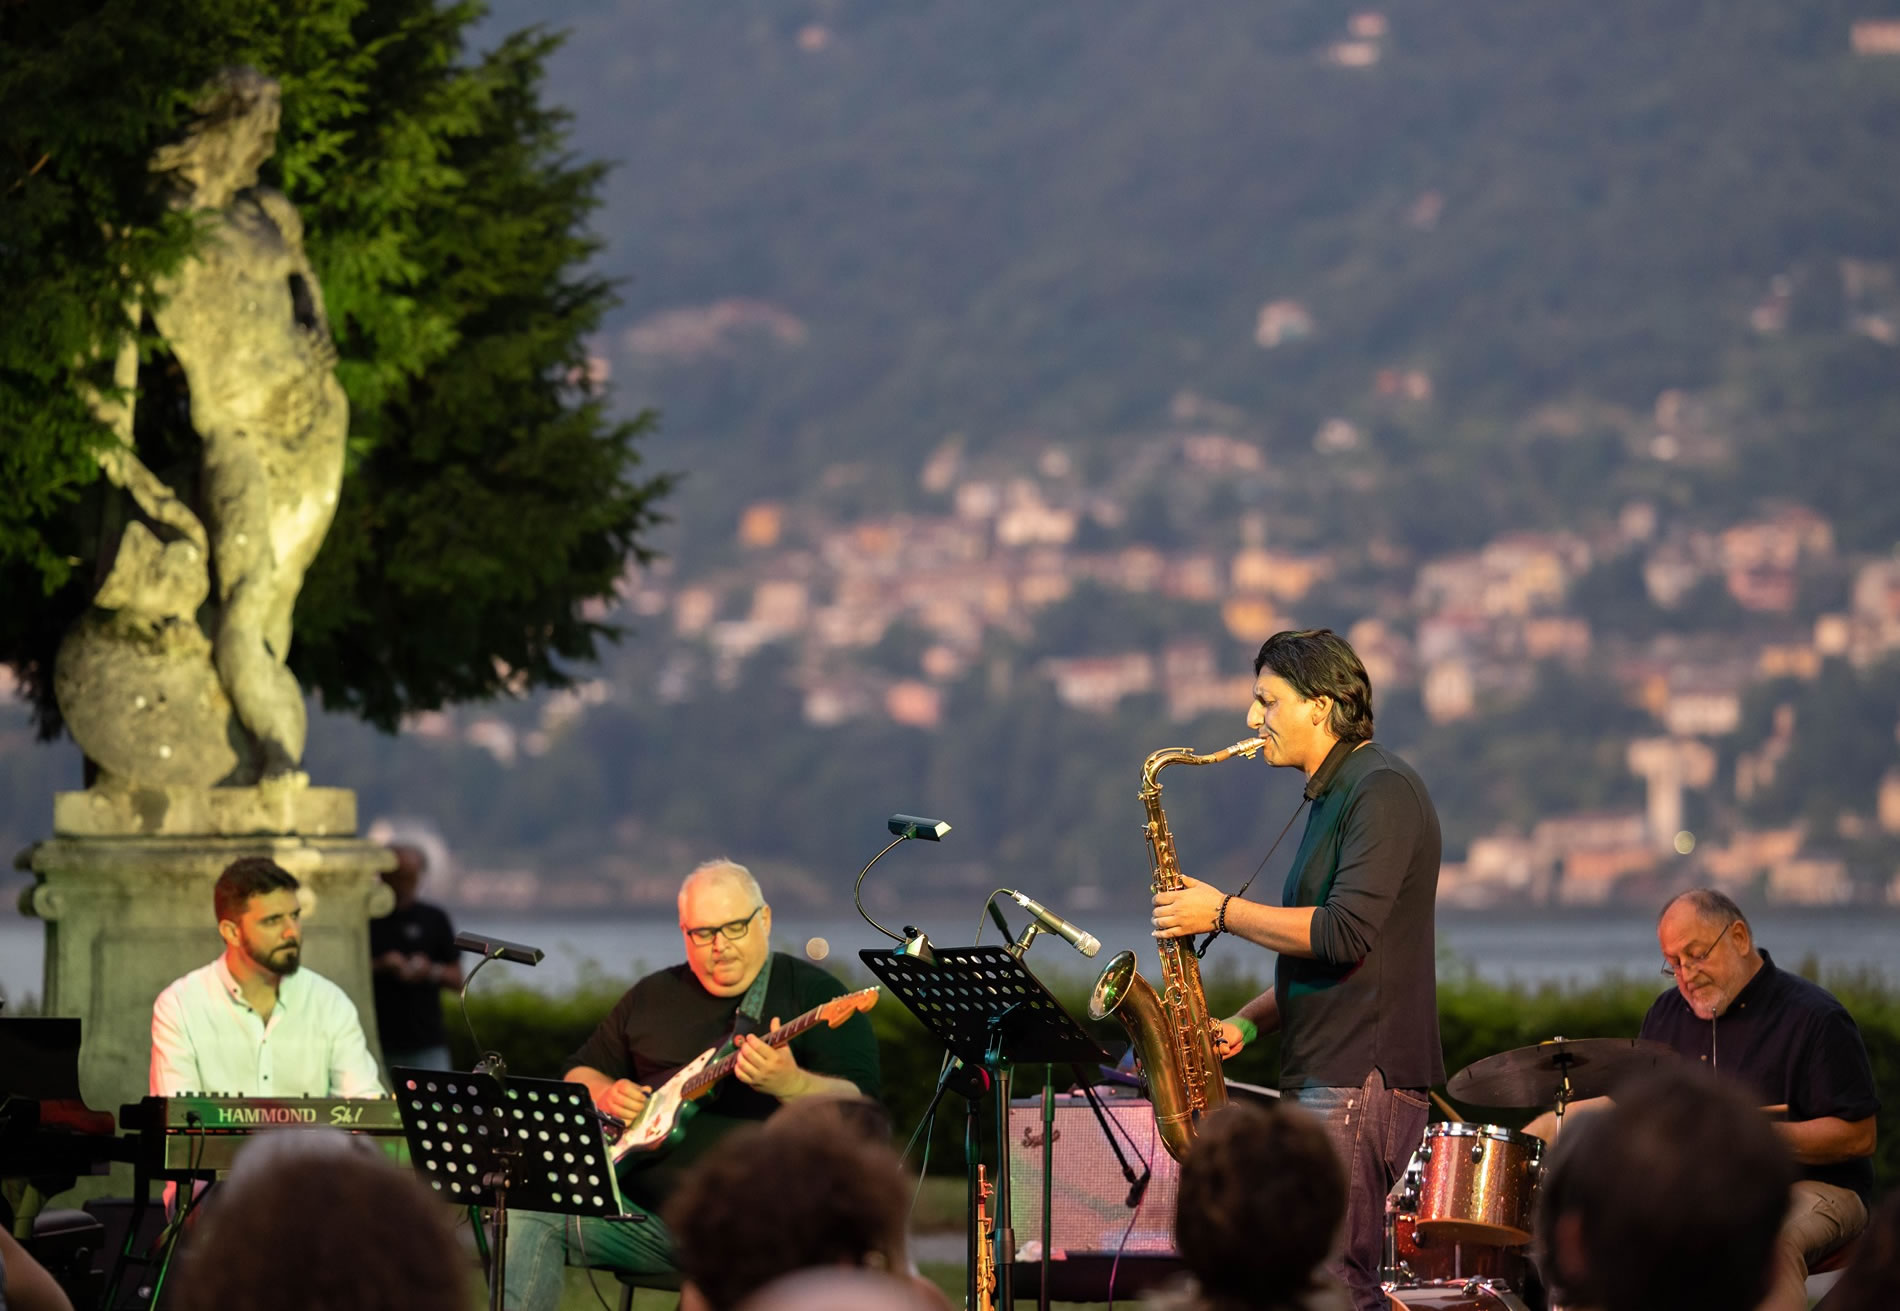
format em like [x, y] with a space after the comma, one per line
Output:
[483, 945]
[1083, 941]
[916, 826]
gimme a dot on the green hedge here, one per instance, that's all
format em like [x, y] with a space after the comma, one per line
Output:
[535, 1032]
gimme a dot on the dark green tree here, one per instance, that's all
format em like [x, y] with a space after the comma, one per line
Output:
[490, 493]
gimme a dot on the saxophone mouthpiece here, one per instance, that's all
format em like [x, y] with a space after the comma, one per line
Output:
[1245, 747]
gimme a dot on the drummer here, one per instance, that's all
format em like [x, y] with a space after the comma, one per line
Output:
[1793, 1046]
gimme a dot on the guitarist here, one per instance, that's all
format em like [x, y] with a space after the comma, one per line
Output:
[731, 986]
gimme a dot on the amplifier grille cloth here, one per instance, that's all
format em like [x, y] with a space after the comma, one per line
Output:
[1090, 1192]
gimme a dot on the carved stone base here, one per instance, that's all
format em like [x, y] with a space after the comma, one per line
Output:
[287, 806]
[127, 915]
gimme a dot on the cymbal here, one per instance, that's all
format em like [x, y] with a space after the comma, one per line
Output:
[1534, 1075]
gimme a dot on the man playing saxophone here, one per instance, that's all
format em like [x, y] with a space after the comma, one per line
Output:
[1355, 990]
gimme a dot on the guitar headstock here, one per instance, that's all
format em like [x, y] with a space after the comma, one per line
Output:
[839, 1009]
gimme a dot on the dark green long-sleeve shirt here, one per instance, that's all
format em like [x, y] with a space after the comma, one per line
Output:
[1368, 996]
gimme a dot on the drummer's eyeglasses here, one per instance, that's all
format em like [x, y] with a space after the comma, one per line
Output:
[731, 930]
[1692, 960]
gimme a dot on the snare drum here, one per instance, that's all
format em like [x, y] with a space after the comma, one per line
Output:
[1478, 1184]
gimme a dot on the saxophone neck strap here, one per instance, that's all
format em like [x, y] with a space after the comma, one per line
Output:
[1322, 780]
[1316, 787]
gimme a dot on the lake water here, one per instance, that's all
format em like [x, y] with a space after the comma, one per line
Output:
[1561, 947]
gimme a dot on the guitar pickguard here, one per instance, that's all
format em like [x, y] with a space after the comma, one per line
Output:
[660, 1120]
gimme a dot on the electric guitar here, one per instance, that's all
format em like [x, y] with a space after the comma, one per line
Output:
[662, 1121]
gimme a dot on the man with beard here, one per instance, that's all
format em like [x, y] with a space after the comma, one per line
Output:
[1793, 1047]
[1355, 989]
[251, 1022]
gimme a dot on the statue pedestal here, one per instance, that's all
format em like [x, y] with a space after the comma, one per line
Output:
[128, 911]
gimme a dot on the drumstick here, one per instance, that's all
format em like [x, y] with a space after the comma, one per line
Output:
[1452, 1115]
[1780, 1108]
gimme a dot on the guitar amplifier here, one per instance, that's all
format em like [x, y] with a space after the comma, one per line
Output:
[1091, 1215]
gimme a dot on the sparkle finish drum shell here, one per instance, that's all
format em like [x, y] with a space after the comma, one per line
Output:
[1478, 1183]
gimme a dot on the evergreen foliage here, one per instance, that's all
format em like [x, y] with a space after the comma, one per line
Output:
[489, 491]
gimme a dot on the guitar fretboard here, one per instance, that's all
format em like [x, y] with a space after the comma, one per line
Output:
[720, 1068]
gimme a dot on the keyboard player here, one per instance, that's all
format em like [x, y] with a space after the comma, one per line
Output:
[253, 1022]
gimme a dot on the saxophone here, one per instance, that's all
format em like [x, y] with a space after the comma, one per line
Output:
[1177, 1040]
[985, 1247]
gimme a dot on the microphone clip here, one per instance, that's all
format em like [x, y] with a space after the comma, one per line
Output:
[916, 945]
[1139, 1188]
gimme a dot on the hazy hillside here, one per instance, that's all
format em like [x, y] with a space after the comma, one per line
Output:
[1055, 218]
[1445, 269]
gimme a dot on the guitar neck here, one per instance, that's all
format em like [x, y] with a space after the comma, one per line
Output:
[703, 1081]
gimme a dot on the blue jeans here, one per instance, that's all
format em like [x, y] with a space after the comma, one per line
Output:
[1375, 1130]
[541, 1245]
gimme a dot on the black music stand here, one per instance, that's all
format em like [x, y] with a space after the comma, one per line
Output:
[535, 1144]
[984, 1005]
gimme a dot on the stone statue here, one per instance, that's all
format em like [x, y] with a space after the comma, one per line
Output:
[146, 694]
[174, 683]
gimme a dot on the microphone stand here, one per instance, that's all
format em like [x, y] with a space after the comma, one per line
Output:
[502, 1178]
[1136, 1184]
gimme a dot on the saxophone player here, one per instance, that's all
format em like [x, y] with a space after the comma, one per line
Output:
[1354, 993]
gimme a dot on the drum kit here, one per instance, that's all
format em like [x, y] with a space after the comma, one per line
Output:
[1458, 1225]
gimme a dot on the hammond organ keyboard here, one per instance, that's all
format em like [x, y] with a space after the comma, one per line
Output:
[200, 1133]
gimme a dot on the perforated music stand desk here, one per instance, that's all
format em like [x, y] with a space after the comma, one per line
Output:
[972, 997]
[986, 1007]
[535, 1145]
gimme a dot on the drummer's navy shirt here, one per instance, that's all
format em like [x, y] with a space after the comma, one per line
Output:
[1787, 1040]
[1368, 997]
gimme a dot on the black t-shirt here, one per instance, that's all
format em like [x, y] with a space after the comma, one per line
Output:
[1787, 1040]
[409, 1015]
[667, 1019]
[1368, 997]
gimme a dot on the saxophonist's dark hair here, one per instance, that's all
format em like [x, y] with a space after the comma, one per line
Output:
[1318, 662]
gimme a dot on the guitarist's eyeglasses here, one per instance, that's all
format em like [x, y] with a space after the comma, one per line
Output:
[731, 931]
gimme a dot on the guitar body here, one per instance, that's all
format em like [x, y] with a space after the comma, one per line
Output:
[663, 1121]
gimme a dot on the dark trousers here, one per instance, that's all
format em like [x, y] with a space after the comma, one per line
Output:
[1375, 1130]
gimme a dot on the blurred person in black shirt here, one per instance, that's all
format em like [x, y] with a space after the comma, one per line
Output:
[413, 957]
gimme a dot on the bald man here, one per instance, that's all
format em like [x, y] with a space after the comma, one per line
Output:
[732, 985]
[1793, 1047]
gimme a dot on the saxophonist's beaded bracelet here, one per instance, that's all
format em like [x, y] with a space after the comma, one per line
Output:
[1220, 916]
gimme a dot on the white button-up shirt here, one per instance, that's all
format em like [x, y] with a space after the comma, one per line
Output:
[206, 1038]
